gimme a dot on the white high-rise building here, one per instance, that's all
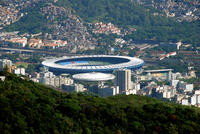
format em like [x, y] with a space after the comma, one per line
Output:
[123, 80]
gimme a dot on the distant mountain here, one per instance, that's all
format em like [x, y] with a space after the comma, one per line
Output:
[70, 19]
[27, 107]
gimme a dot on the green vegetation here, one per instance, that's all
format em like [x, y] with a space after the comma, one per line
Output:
[24, 65]
[28, 107]
[12, 57]
[32, 68]
[176, 65]
[126, 13]
[123, 13]
[34, 59]
[161, 83]
[32, 22]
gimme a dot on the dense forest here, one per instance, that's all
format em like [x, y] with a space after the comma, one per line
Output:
[28, 107]
[151, 24]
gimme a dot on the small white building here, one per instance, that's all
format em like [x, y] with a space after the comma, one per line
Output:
[68, 81]
[74, 88]
[2, 78]
[48, 78]
[185, 87]
[174, 83]
[167, 94]
[184, 102]
[189, 88]
[20, 41]
[108, 91]
[48, 81]
[46, 74]
[193, 100]
[79, 88]
[35, 80]
[19, 71]
[197, 92]
[130, 91]
[198, 99]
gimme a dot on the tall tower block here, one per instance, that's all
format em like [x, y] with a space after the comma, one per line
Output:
[123, 80]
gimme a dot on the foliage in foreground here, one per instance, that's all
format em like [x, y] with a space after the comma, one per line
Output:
[27, 107]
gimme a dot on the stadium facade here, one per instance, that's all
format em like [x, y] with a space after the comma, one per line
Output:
[92, 63]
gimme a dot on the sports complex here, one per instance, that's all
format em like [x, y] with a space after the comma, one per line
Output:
[92, 63]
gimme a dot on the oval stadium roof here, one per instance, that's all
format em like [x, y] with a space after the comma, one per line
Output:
[94, 76]
[127, 62]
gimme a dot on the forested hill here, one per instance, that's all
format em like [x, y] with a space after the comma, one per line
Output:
[150, 23]
[27, 107]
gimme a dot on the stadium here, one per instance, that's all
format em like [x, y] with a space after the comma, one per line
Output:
[92, 63]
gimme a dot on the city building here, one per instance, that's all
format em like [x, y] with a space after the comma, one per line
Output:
[108, 91]
[19, 41]
[48, 78]
[174, 83]
[197, 92]
[35, 43]
[161, 74]
[4, 63]
[184, 101]
[185, 87]
[19, 71]
[46, 74]
[163, 92]
[123, 80]
[193, 100]
[74, 88]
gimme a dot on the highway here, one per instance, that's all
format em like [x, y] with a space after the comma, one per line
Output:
[37, 51]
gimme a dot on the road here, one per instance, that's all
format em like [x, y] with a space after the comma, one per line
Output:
[37, 51]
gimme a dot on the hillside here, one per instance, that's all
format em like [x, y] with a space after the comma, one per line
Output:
[182, 10]
[27, 107]
[55, 22]
[69, 19]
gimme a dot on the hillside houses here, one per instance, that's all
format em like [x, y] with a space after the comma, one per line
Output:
[8, 15]
[35, 43]
[100, 28]
[22, 42]
[52, 44]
